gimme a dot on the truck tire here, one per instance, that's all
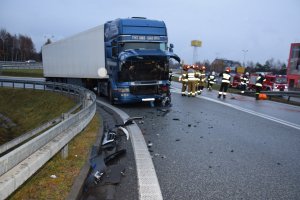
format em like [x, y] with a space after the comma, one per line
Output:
[110, 95]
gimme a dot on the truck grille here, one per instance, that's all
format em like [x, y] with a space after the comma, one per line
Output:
[144, 89]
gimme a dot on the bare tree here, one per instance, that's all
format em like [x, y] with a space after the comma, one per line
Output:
[3, 37]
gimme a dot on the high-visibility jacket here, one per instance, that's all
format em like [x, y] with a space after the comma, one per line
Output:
[225, 77]
[202, 76]
[184, 77]
[259, 81]
[244, 80]
[191, 75]
[211, 79]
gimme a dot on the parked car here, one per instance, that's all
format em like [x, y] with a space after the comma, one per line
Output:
[30, 61]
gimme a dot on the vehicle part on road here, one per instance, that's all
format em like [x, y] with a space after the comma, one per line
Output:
[124, 131]
[129, 121]
[117, 154]
[108, 137]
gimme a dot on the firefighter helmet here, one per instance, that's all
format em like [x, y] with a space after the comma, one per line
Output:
[185, 67]
[247, 73]
[227, 69]
[203, 67]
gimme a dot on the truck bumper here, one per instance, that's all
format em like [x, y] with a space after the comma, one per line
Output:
[129, 98]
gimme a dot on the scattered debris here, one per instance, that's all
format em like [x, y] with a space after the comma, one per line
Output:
[124, 131]
[163, 156]
[210, 152]
[210, 127]
[53, 176]
[175, 119]
[114, 155]
[201, 137]
[232, 151]
[129, 121]
[162, 110]
[150, 144]
[278, 163]
[108, 137]
[209, 166]
[189, 125]
[177, 140]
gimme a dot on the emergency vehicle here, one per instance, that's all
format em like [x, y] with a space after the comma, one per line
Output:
[272, 82]
[235, 81]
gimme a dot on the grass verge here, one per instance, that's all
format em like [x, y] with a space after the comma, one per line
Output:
[28, 109]
[22, 72]
[41, 186]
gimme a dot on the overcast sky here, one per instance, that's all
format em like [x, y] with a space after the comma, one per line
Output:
[265, 28]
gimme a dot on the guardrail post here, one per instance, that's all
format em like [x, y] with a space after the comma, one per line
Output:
[65, 149]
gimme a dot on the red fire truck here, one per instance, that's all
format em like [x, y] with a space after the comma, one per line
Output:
[272, 82]
[235, 81]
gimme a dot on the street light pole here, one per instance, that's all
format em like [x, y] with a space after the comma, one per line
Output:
[245, 51]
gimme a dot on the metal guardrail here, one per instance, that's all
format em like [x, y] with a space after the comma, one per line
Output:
[19, 164]
[20, 65]
[288, 94]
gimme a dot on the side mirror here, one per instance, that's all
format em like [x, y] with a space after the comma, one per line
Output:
[171, 47]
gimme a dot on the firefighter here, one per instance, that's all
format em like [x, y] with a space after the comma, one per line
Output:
[197, 75]
[184, 79]
[202, 78]
[258, 84]
[192, 82]
[244, 82]
[225, 83]
[211, 80]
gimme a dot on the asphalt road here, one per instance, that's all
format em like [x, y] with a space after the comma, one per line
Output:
[206, 148]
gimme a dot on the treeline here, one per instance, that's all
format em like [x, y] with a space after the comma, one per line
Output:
[17, 47]
[276, 67]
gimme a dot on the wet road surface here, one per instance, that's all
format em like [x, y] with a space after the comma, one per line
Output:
[205, 150]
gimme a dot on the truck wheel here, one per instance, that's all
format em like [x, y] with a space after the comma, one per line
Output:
[110, 95]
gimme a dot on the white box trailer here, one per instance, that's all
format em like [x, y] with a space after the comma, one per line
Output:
[79, 56]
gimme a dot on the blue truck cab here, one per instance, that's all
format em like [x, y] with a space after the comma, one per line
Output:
[137, 60]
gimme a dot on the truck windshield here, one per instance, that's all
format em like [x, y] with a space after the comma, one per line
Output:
[147, 69]
[281, 80]
[143, 45]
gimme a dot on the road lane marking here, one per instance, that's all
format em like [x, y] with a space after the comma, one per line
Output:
[280, 121]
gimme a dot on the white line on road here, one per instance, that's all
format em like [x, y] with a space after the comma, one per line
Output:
[280, 121]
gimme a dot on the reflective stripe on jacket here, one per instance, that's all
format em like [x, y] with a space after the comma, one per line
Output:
[225, 78]
[191, 75]
[259, 81]
[211, 79]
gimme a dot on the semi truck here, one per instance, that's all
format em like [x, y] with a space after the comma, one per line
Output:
[125, 59]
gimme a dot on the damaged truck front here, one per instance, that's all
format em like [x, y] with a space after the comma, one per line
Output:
[137, 61]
